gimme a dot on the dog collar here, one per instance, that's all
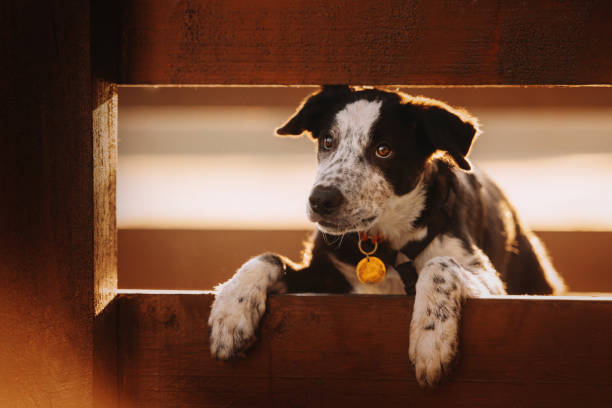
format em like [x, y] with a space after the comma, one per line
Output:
[375, 239]
[370, 269]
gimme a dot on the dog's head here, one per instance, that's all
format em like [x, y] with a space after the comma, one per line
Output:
[373, 146]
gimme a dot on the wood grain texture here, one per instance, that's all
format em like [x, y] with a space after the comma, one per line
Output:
[105, 387]
[175, 259]
[105, 45]
[105, 391]
[58, 263]
[105, 242]
[46, 209]
[105, 185]
[105, 68]
[352, 351]
[489, 42]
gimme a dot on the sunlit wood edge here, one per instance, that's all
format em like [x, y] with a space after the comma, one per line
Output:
[145, 85]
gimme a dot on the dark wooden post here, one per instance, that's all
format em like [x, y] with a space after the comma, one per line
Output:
[57, 225]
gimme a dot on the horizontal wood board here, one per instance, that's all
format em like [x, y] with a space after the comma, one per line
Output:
[274, 42]
[338, 350]
[199, 259]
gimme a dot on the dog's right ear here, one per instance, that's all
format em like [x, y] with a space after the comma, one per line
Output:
[313, 107]
[449, 130]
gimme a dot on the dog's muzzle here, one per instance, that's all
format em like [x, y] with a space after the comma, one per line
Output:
[325, 200]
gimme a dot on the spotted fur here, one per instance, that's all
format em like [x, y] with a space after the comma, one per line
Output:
[362, 184]
[433, 208]
[239, 305]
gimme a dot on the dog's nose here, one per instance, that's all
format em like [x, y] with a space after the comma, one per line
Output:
[325, 200]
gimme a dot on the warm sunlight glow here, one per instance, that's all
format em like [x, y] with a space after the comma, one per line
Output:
[270, 192]
[221, 167]
[231, 191]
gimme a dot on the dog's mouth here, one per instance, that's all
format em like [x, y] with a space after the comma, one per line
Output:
[338, 228]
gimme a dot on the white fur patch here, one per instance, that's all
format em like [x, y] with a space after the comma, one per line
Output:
[239, 305]
[486, 280]
[355, 121]
[399, 214]
[442, 245]
[391, 285]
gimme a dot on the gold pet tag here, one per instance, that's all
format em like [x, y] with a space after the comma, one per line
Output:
[370, 269]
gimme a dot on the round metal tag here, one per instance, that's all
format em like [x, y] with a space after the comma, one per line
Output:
[371, 270]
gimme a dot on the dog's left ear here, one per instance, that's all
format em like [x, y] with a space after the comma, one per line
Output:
[313, 108]
[451, 131]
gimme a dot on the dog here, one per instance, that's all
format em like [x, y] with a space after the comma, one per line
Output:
[394, 187]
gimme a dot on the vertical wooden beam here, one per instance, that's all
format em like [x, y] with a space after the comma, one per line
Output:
[105, 243]
[105, 225]
[104, 56]
[46, 216]
[57, 232]
[104, 179]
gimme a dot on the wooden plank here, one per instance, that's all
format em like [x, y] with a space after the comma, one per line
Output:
[583, 258]
[174, 259]
[490, 42]
[105, 51]
[105, 386]
[105, 242]
[335, 350]
[105, 185]
[47, 209]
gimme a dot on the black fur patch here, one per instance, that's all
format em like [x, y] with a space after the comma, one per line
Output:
[272, 259]
[437, 279]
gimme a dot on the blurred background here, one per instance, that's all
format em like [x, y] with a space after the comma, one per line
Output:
[203, 183]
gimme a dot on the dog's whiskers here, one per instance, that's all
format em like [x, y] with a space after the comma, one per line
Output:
[341, 239]
[328, 241]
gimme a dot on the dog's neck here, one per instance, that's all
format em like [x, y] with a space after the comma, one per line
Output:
[397, 223]
[408, 218]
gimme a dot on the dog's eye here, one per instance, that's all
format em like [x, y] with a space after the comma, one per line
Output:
[327, 143]
[383, 151]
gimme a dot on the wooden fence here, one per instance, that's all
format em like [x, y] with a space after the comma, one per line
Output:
[68, 339]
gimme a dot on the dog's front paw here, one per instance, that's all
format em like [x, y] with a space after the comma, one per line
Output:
[433, 346]
[233, 321]
[239, 305]
[435, 320]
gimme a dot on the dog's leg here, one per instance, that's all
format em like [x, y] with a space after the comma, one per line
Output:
[240, 303]
[440, 289]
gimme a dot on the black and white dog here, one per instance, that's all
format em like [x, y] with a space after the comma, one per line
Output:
[393, 171]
